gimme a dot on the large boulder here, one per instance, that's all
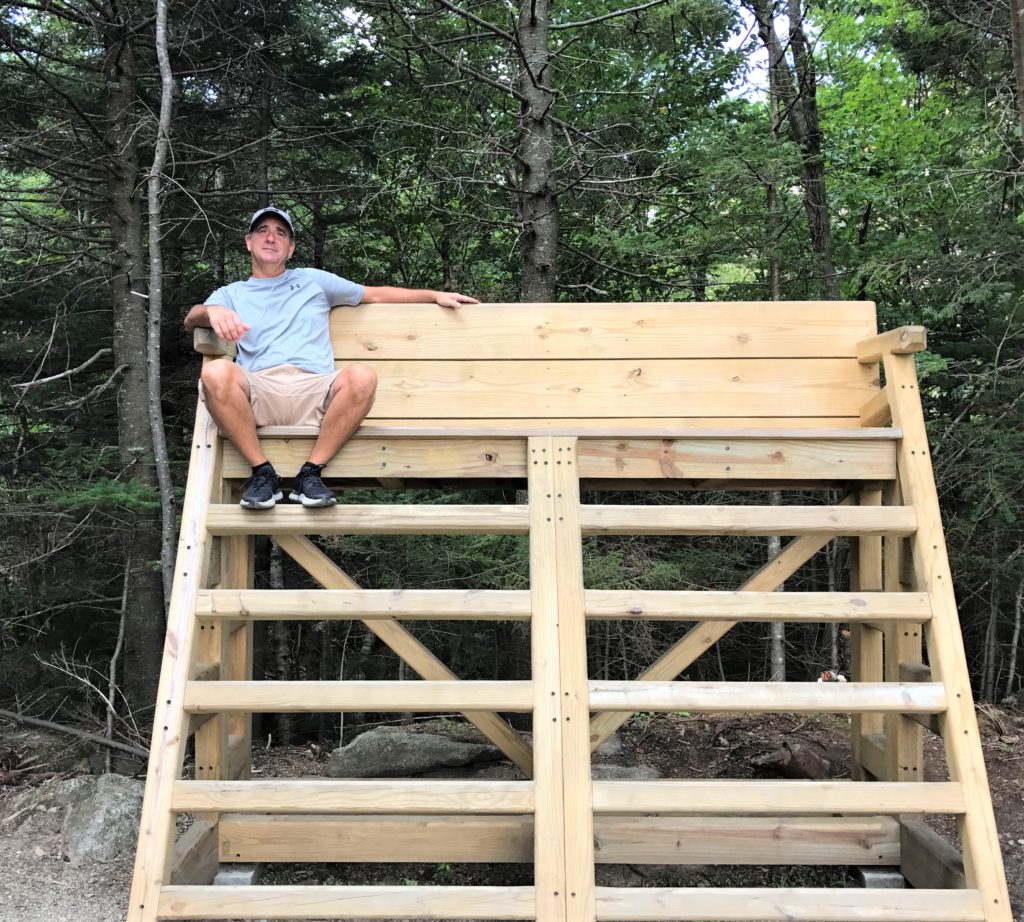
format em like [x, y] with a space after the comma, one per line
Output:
[384, 753]
[103, 820]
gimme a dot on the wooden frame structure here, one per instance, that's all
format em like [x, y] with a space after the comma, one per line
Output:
[734, 396]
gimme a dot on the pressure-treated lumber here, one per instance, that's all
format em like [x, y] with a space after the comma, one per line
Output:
[370, 520]
[618, 839]
[900, 341]
[750, 904]
[499, 332]
[311, 697]
[961, 736]
[726, 796]
[748, 520]
[795, 697]
[311, 902]
[355, 796]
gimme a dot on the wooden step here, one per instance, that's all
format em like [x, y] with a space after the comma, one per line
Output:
[315, 697]
[899, 521]
[765, 904]
[618, 839]
[727, 796]
[223, 519]
[788, 697]
[333, 796]
[450, 605]
[311, 902]
[364, 604]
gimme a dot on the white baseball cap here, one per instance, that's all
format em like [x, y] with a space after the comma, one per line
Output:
[277, 212]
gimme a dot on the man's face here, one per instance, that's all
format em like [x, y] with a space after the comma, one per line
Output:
[270, 241]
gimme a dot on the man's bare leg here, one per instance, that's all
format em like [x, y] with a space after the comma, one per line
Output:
[350, 400]
[226, 393]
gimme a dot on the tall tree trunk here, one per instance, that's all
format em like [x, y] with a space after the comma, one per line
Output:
[797, 93]
[539, 201]
[144, 610]
[156, 306]
[1011, 672]
[1017, 46]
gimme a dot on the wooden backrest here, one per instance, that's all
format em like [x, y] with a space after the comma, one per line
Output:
[732, 364]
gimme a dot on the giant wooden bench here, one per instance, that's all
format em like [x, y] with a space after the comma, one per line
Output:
[721, 396]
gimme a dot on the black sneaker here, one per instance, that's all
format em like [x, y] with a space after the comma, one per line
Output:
[309, 489]
[262, 490]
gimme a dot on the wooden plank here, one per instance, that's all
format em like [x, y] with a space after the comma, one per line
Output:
[239, 574]
[370, 520]
[395, 457]
[549, 845]
[206, 342]
[314, 902]
[876, 412]
[866, 650]
[748, 520]
[365, 604]
[605, 330]
[575, 707]
[901, 341]
[705, 635]
[605, 387]
[733, 797]
[312, 697]
[845, 607]
[730, 840]
[872, 755]
[362, 795]
[982, 856]
[196, 855]
[928, 860]
[155, 854]
[790, 697]
[329, 575]
[749, 904]
[779, 459]
[609, 427]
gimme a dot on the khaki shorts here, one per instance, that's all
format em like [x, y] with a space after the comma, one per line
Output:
[287, 396]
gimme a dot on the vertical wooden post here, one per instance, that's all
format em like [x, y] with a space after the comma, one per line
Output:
[982, 864]
[866, 661]
[238, 656]
[563, 822]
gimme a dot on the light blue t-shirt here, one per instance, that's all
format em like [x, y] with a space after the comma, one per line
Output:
[288, 316]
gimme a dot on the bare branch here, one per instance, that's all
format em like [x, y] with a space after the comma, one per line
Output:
[612, 15]
[66, 374]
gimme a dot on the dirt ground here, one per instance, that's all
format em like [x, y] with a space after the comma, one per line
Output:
[38, 884]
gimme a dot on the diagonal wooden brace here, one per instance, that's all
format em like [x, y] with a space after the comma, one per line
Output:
[403, 643]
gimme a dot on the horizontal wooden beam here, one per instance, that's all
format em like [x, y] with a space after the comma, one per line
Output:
[608, 427]
[759, 606]
[748, 520]
[738, 458]
[732, 840]
[772, 797]
[353, 796]
[900, 341]
[313, 902]
[365, 604]
[750, 904]
[319, 697]
[510, 605]
[788, 697]
[206, 342]
[370, 520]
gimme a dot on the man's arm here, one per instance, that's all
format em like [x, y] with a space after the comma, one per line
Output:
[222, 320]
[388, 294]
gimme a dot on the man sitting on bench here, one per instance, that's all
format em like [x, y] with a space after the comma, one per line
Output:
[284, 374]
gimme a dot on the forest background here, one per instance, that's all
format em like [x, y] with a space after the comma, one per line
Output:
[517, 151]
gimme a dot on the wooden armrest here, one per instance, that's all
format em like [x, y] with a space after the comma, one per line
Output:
[207, 342]
[896, 342]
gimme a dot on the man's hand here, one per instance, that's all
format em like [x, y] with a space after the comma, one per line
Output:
[226, 323]
[453, 299]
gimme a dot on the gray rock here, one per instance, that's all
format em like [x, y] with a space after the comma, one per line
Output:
[103, 822]
[48, 797]
[396, 754]
[49, 752]
[636, 772]
[611, 747]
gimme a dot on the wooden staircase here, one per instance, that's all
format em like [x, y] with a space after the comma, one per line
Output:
[900, 604]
